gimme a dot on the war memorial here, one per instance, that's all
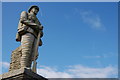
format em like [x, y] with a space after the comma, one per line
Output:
[29, 34]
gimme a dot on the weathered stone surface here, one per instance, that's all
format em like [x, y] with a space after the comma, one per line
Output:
[21, 74]
[15, 59]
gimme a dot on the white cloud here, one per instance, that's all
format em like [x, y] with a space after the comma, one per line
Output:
[104, 55]
[78, 71]
[4, 64]
[87, 72]
[50, 72]
[92, 19]
[92, 56]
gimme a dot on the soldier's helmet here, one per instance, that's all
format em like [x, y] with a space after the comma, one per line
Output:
[34, 6]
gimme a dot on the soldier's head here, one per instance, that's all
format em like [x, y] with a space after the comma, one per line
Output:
[34, 9]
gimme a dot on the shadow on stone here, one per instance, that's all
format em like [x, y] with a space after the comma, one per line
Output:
[21, 74]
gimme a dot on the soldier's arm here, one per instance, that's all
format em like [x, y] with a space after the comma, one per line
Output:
[23, 16]
[39, 24]
[33, 25]
[24, 20]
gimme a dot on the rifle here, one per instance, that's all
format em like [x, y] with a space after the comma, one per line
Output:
[36, 51]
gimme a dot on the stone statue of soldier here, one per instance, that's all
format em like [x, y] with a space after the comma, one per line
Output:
[28, 29]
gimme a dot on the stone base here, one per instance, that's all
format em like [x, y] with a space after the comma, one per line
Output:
[21, 74]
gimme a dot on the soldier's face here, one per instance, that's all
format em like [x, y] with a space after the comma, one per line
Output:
[34, 10]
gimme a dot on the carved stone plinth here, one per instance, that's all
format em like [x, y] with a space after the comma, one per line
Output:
[21, 74]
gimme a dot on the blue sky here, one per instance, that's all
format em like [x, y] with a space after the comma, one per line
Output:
[75, 34]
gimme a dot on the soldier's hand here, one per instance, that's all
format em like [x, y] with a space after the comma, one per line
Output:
[41, 27]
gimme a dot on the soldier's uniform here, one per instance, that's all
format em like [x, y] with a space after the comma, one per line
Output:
[27, 35]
